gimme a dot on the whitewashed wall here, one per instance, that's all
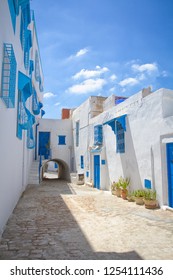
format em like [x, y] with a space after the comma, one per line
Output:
[59, 127]
[15, 158]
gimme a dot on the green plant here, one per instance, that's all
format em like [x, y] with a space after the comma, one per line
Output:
[150, 195]
[139, 193]
[124, 182]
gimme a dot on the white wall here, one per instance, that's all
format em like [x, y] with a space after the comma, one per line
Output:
[58, 127]
[15, 159]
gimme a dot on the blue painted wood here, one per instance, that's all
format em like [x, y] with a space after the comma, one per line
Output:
[147, 184]
[169, 147]
[44, 144]
[97, 171]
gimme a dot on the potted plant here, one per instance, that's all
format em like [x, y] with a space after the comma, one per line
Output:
[130, 196]
[118, 189]
[124, 183]
[150, 199]
[139, 196]
[113, 188]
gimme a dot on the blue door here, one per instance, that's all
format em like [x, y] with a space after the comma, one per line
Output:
[44, 144]
[170, 172]
[97, 171]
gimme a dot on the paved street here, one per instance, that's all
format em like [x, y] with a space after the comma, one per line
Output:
[59, 220]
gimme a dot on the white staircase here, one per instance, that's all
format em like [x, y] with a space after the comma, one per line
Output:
[34, 173]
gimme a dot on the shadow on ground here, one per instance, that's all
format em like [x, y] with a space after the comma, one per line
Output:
[42, 227]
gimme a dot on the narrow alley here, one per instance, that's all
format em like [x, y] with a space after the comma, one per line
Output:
[59, 220]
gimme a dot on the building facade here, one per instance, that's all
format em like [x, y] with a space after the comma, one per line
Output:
[21, 86]
[101, 140]
[133, 138]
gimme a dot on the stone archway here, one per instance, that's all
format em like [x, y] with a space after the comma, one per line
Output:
[63, 171]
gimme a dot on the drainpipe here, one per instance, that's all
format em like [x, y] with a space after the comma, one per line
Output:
[36, 139]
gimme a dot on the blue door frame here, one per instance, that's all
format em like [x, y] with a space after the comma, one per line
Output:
[44, 144]
[169, 149]
[97, 171]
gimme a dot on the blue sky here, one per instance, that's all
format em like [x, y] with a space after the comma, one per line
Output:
[102, 47]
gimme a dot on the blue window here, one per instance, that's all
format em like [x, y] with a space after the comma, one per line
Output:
[103, 161]
[8, 76]
[14, 10]
[82, 162]
[120, 137]
[61, 140]
[77, 134]
[147, 184]
[98, 135]
[25, 119]
[87, 174]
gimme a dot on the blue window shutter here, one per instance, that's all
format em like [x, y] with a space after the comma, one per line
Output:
[82, 162]
[77, 134]
[120, 138]
[98, 135]
[61, 140]
[8, 85]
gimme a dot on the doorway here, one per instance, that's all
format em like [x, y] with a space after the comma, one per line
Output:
[169, 149]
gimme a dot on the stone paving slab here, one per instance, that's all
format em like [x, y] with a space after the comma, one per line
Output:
[59, 220]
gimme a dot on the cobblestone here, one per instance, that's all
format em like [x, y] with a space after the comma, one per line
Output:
[59, 220]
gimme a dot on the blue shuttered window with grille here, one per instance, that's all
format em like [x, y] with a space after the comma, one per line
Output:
[98, 135]
[77, 134]
[120, 138]
[14, 11]
[25, 119]
[8, 85]
[25, 34]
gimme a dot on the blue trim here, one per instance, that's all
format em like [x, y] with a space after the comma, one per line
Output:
[8, 82]
[97, 171]
[61, 140]
[169, 149]
[103, 161]
[82, 162]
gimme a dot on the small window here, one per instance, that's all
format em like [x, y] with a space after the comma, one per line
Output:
[120, 138]
[77, 134]
[61, 140]
[98, 135]
[82, 162]
[8, 86]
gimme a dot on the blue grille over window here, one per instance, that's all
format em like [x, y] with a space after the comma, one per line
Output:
[120, 138]
[14, 10]
[8, 76]
[77, 134]
[98, 135]
[25, 119]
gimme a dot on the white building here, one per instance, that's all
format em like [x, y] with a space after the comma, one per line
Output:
[21, 86]
[132, 139]
[101, 140]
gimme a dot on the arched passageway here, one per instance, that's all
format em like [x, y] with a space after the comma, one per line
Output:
[55, 169]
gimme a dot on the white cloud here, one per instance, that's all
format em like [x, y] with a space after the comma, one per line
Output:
[81, 52]
[148, 67]
[48, 95]
[86, 74]
[113, 77]
[57, 104]
[128, 82]
[87, 86]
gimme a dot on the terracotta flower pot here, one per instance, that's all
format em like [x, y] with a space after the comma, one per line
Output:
[124, 193]
[118, 192]
[150, 204]
[139, 200]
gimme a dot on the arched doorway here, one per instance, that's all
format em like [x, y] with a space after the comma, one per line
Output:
[55, 169]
